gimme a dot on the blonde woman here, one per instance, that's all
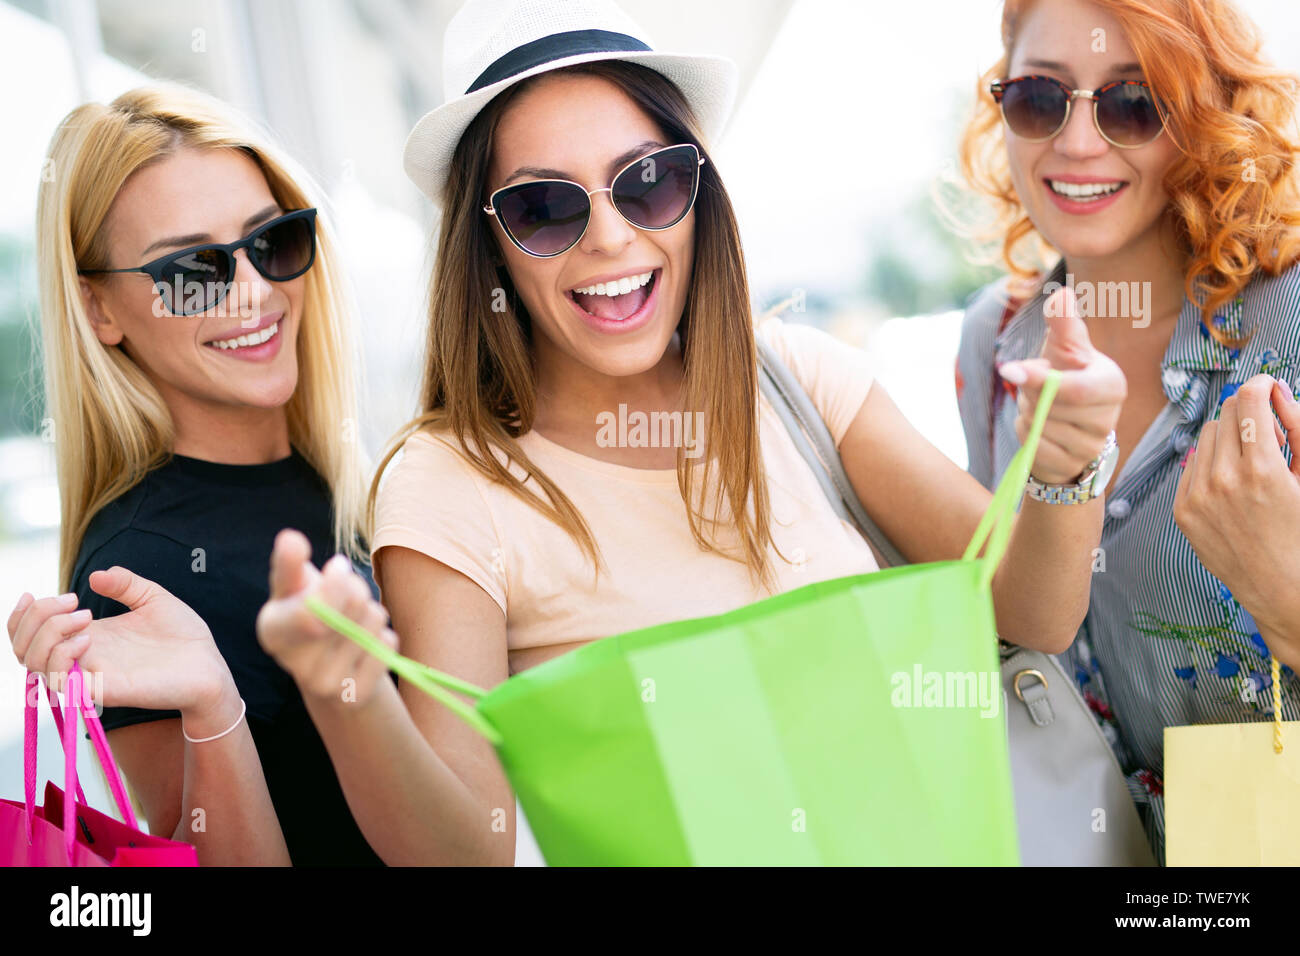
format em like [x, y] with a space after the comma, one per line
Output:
[199, 369]
[589, 258]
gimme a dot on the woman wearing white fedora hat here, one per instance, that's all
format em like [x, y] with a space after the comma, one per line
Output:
[589, 287]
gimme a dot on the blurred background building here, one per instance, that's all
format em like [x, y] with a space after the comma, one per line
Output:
[849, 112]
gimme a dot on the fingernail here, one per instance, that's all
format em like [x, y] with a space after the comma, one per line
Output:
[82, 615]
[69, 598]
[1013, 374]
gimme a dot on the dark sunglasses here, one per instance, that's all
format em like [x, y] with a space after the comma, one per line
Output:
[194, 280]
[1036, 108]
[545, 217]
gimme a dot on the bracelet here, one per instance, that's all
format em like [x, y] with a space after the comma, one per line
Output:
[243, 708]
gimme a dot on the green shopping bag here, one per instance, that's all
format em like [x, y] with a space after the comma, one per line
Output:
[853, 721]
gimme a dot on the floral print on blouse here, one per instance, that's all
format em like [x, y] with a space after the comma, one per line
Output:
[1164, 643]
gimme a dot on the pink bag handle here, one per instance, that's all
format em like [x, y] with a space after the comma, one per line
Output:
[56, 710]
[67, 726]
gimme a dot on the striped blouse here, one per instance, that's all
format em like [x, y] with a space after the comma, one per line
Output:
[1164, 642]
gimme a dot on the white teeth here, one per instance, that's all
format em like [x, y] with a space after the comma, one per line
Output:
[251, 338]
[617, 286]
[1084, 191]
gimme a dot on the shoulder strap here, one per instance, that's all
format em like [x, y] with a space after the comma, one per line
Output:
[816, 446]
[998, 390]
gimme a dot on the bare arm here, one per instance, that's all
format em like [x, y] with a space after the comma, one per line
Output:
[160, 656]
[423, 787]
[929, 508]
[211, 794]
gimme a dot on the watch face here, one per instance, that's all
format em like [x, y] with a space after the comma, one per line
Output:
[1105, 469]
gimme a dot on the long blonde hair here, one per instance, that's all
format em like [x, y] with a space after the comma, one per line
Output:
[479, 378]
[111, 425]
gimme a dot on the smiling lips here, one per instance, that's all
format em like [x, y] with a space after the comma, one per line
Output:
[1085, 192]
[258, 344]
[247, 339]
[617, 299]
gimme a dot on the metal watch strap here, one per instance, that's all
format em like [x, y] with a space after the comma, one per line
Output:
[1077, 492]
[1059, 494]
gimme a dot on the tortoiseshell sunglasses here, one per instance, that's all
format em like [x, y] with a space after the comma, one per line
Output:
[1036, 108]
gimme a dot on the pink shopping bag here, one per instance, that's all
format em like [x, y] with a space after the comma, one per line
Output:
[65, 832]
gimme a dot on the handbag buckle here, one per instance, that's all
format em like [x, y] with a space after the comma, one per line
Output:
[1031, 672]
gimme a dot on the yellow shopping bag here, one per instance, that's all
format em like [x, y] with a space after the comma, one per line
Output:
[1232, 792]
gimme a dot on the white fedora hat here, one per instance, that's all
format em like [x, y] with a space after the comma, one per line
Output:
[493, 44]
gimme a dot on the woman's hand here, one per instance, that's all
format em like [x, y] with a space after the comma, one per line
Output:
[159, 655]
[327, 666]
[1087, 404]
[1239, 506]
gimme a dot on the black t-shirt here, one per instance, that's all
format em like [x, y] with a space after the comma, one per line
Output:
[204, 532]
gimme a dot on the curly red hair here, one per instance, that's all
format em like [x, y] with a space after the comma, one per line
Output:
[1229, 111]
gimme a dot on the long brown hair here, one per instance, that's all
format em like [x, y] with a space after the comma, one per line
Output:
[1227, 106]
[479, 379]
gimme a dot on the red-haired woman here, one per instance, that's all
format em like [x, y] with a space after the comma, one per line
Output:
[1143, 146]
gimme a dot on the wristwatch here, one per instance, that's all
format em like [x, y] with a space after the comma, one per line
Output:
[1090, 483]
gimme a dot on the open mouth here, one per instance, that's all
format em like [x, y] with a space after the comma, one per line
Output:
[248, 340]
[1085, 192]
[617, 300]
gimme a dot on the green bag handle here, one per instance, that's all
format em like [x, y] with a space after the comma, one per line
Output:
[433, 682]
[995, 526]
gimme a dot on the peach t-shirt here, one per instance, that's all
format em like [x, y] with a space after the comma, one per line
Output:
[433, 502]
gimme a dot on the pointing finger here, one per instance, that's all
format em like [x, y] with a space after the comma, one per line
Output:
[1066, 343]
